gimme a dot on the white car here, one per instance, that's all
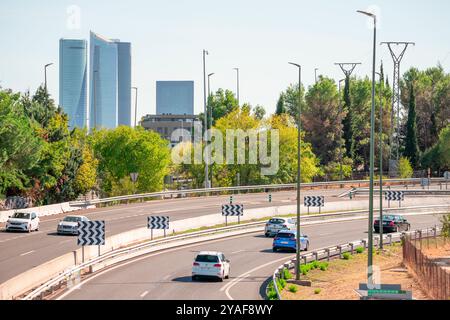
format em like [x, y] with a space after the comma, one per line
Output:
[69, 225]
[274, 225]
[23, 221]
[211, 264]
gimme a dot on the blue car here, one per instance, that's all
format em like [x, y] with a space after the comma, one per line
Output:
[286, 240]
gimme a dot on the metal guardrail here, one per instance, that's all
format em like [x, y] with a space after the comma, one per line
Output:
[339, 250]
[240, 188]
[67, 274]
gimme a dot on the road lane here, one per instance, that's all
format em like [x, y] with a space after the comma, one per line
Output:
[167, 275]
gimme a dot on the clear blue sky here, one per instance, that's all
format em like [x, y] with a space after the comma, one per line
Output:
[258, 36]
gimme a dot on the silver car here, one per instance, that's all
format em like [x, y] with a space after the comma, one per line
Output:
[69, 225]
[274, 225]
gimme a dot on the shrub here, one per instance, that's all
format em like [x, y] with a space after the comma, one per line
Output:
[359, 250]
[405, 169]
[293, 289]
[281, 284]
[315, 264]
[346, 256]
[323, 266]
[271, 293]
[317, 291]
[286, 274]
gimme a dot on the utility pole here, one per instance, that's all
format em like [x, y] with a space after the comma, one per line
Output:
[45, 75]
[370, 280]
[315, 74]
[299, 123]
[381, 158]
[396, 99]
[206, 117]
[210, 115]
[135, 106]
[237, 91]
[340, 140]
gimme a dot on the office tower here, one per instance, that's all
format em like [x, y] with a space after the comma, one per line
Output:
[110, 82]
[175, 97]
[73, 80]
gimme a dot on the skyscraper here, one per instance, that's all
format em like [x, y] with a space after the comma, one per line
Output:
[73, 80]
[175, 97]
[110, 82]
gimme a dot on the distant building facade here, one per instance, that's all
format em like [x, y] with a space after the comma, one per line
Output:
[73, 80]
[175, 97]
[110, 82]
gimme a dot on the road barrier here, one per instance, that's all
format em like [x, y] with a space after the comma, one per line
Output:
[52, 274]
[329, 253]
[265, 188]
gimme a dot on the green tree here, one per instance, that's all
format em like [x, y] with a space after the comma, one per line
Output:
[411, 147]
[259, 112]
[347, 121]
[405, 169]
[280, 109]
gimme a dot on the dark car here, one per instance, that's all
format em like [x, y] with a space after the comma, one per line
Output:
[392, 223]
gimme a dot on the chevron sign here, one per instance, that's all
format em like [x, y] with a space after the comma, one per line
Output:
[158, 222]
[91, 233]
[395, 195]
[232, 210]
[314, 201]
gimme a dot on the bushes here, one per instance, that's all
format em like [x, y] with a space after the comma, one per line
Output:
[304, 269]
[293, 289]
[346, 256]
[317, 291]
[271, 293]
[359, 250]
[405, 169]
[286, 274]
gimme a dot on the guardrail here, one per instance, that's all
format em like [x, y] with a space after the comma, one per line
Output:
[140, 249]
[338, 250]
[240, 188]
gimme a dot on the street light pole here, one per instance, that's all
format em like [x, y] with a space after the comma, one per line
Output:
[135, 106]
[372, 151]
[95, 98]
[45, 74]
[210, 115]
[340, 140]
[315, 74]
[206, 117]
[237, 92]
[299, 123]
[381, 160]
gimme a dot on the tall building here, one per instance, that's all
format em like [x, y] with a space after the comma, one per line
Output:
[73, 80]
[110, 82]
[175, 97]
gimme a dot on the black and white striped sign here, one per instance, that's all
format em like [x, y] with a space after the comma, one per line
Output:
[395, 195]
[232, 210]
[91, 233]
[314, 201]
[158, 222]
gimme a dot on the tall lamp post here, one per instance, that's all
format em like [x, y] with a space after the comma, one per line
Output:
[372, 151]
[381, 159]
[340, 144]
[210, 115]
[237, 85]
[135, 105]
[205, 116]
[315, 74]
[45, 74]
[299, 123]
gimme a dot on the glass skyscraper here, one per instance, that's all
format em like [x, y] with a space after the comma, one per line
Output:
[110, 82]
[175, 97]
[73, 80]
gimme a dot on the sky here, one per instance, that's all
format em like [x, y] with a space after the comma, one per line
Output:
[259, 37]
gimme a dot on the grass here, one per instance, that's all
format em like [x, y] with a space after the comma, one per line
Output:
[305, 268]
[293, 289]
[359, 250]
[286, 274]
[346, 256]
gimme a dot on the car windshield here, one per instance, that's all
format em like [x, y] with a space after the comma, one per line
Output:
[21, 215]
[276, 221]
[390, 218]
[285, 235]
[207, 258]
[72, 219]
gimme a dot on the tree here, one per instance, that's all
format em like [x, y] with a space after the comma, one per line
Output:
[347, 121]
[259, 112]
[411, 147]
[405, 169]
[280, 105]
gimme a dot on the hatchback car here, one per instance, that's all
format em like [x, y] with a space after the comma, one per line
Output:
[287, 240]
[274, 225]
[23, 221]
[211, 264]
[69, 225]
[392, 223]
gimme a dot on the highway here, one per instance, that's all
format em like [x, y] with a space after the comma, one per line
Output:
[23, 251]
[167, 275]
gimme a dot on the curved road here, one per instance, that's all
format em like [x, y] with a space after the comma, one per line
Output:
[167, 275]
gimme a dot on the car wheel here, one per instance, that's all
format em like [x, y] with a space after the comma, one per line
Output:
[274, 249]
[29, 229]
[307, 246]
[267, 234]
[194, 278]
[228, 275]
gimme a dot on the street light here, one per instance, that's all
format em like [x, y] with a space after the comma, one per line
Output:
[95, 98]
[210, 114]
[299, 123]
[340, 144]
[135, 106]
[45, 74]
[372, 151]
[315, 74]
[381, 160]
[237, 92]
[205, 116]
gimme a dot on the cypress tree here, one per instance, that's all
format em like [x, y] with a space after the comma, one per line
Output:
[411, 144]
[281, 108]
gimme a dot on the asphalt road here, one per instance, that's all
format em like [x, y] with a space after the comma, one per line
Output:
[23, 251]
[167, 275]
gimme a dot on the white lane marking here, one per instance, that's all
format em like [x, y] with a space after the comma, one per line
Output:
[137, 260]
[144, 294]
[26, 253]
[237, 251]
[228, 294]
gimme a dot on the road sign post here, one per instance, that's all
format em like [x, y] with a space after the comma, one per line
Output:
[446, 177]
[234, 210]
[314, 201]
[159, 223]
[395, 196]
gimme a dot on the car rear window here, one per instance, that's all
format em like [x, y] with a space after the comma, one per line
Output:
[276, 221]
[21, 215]
[285, 235]
[206, 258]
[389, 218]
[72, 219]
